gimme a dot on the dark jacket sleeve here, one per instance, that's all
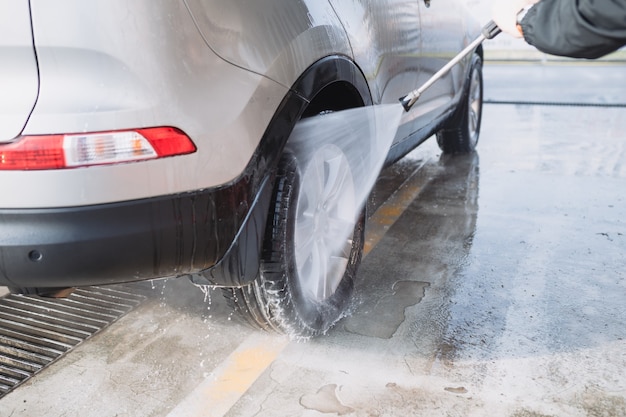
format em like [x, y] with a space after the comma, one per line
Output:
[576, 28]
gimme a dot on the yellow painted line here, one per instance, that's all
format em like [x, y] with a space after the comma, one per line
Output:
[216, 395]
[381, 221]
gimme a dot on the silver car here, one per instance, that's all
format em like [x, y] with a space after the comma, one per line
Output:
[150, 139]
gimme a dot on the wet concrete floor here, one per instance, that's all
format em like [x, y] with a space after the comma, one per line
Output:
[494, 285]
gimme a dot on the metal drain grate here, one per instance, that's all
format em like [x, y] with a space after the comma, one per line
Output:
[35, 331]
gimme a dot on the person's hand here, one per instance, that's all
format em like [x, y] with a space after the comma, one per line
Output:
[504, 13]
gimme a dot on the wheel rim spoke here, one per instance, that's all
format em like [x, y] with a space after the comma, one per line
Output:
[312, 270]
[314, 183]
[325, 211]
[337, 226]
[305, 236]
[336, 178]
[336, 268]
[474, 105]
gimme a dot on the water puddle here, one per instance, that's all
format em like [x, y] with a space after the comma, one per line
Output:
[383, 319]
[325, 401]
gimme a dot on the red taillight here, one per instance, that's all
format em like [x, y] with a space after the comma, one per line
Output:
[168, 141]
[99, 148]
[33, 152]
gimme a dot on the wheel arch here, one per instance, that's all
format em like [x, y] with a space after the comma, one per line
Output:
[335, 82]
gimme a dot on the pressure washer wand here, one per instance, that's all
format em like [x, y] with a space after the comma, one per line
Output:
[489, 31]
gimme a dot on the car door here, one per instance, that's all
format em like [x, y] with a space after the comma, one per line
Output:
[400, 44]
[443, 36]
[386, 44]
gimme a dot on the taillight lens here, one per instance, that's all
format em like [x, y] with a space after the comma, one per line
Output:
[100, 148]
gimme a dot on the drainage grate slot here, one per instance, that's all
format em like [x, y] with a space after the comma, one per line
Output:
[85, 309]
[37, 308]
[13, 373]
[42, 323]
[10, 377]
[26, 356]
[34, 332]
[19, 364]
[54, 318]
[8, 343]
[35, 340]
[103, 302]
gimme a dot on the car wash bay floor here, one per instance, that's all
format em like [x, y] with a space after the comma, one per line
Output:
[494, 284]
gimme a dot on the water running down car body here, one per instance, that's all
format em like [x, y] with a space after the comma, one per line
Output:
[152, 140]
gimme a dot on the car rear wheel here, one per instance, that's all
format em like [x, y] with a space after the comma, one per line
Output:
[307, 275]
[460, 135]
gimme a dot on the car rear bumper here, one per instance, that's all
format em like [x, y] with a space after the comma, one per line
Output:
[131, 241]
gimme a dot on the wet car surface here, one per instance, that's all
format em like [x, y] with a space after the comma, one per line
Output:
[169, 147]
[493, 285]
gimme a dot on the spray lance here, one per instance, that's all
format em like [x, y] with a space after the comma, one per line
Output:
[489, 31]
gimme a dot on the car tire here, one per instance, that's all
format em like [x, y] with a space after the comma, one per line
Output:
[461, 132]
[293, 294]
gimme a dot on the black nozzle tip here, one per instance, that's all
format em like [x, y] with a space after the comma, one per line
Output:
[406, 103]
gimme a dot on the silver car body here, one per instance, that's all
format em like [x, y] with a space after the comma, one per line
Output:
[216, 69]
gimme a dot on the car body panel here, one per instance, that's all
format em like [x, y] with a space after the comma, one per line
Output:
[385, 38]
[441, 23]
[234, 76]
[440, 44]
[276, 39]
[101, 81]
[400, 44]
[18, 68]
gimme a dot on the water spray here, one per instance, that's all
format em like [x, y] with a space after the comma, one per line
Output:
[340, 155]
